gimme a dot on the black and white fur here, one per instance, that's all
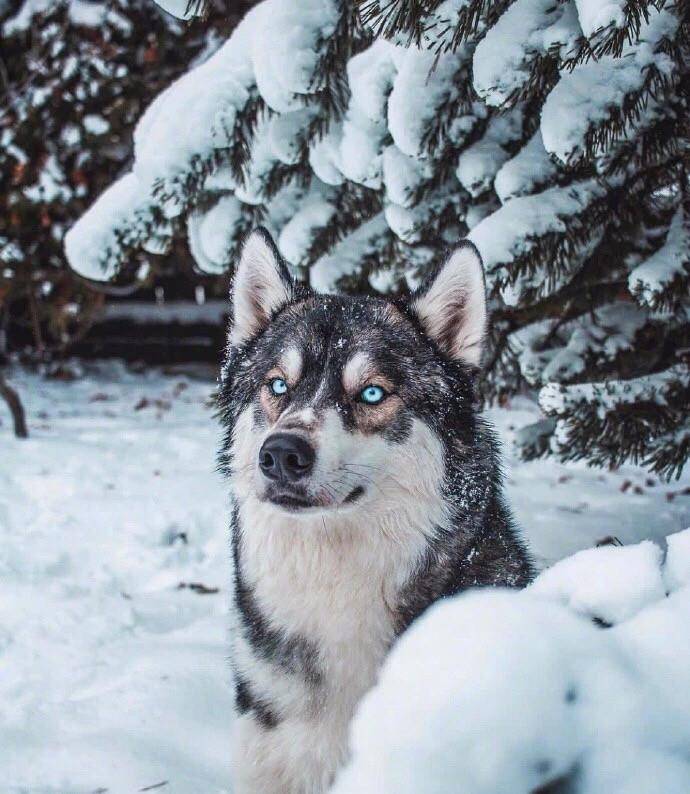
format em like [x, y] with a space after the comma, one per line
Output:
[402, 504]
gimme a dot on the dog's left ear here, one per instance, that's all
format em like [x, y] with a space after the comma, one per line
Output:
[451, 305]
[262, 285]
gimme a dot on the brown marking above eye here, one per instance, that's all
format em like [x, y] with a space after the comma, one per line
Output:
[290, 365]
[361, 371]
[357, 368]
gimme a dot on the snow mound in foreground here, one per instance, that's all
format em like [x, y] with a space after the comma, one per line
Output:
[508, 692]
[610, 583]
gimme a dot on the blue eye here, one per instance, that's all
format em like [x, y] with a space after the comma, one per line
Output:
[372, 395]
[278, 386]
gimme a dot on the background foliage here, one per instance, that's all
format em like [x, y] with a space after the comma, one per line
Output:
[369, 136]
[74, 78]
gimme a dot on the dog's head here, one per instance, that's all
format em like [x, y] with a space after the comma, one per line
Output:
[344, 403]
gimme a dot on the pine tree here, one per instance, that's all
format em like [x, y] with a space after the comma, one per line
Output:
[369, 136]
[74, 77]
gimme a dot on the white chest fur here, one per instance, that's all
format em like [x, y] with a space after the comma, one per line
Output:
[332, 581]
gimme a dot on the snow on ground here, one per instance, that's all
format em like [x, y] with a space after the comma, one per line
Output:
[113, 670]
[112, 678]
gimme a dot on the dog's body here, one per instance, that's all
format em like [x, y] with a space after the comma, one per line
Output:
[365, 487]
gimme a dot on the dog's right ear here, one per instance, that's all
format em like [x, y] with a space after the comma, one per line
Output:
[262, 285]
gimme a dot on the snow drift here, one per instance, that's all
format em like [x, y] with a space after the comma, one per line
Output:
[498, 692]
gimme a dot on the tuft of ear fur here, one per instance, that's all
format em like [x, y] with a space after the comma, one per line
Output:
[451, 305]
[262, 285]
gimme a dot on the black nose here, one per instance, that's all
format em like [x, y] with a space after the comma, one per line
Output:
[286, 457]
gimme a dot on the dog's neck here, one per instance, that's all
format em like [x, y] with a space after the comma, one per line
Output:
[312, 571]
[357, 523]
[356, 533]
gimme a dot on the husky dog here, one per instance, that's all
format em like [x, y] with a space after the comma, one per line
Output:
[365, 487]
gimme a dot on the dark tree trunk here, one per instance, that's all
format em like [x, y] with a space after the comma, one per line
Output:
[16, 408]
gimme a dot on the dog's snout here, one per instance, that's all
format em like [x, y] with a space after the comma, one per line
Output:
[286, 457]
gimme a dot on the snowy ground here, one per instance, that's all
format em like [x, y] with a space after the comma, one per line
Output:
[113, 673]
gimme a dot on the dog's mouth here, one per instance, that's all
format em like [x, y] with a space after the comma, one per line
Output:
[300, 503]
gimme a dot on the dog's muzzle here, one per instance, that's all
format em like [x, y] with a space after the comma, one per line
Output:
[286, 460]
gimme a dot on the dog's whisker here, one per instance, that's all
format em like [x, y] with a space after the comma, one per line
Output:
[362, 466]
[388, 476]
[369, 480]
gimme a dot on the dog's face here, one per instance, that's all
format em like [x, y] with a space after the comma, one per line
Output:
[339, 403]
